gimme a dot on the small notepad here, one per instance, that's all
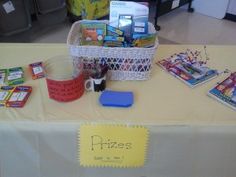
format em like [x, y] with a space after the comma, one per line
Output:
[116, 98]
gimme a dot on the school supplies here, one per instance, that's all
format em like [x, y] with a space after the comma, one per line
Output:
[19, 96]
[139, 69]
[93, 33]
[126, 24]
[131, 17]
[14, 96]
[143, 40]
[113, 44]
[3, 73]
[116, 99]
[225, 92]
[114, 38]
[15, 76]
[5, 93]
[36, 70]
[188, 67]
[114, 41]
[112, 31]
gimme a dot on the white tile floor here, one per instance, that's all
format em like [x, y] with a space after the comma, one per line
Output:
[179, 26]
[193, 28]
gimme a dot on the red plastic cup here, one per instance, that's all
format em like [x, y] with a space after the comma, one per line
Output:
[65, 81]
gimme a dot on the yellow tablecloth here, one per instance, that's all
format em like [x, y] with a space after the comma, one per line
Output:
[161, 100]
[190, 134]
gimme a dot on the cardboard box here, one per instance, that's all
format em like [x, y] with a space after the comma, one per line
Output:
[5, 93]
[19, 96]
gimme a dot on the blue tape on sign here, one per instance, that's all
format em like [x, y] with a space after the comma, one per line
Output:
[116, 99]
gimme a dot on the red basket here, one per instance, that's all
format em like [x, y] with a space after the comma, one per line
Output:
[67, 90]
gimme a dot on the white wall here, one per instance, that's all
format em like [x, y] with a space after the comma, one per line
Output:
[213, 8]
[232, 7]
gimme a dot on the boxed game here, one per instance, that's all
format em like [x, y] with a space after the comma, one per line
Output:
[19, 96]
[3, 73]
[143, 40]
[93, 33]
[112, 31]
[114, 38]
[36, 70]
[225, 92]
[5, 93]
[131, 17]
[15, 76]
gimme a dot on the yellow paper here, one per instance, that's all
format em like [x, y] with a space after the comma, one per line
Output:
[112, 145]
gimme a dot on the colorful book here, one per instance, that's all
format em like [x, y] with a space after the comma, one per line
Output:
[188, 68]
[225, 92]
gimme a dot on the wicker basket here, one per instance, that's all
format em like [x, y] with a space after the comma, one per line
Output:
[124, 63]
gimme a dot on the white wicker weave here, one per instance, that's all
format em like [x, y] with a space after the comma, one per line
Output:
[131, 63]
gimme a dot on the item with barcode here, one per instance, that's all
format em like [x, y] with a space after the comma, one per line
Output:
[19, 96]
[36, 70]
[15, 76]
[5, 93]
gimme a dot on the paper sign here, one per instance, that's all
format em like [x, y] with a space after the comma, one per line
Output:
[8, 6]
[175, 4]
[112, 146]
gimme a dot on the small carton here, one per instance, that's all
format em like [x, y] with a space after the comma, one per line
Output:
[15, 76]
[5, 93]
[131, 17]
[144, 40]
[113, 44]
[3, 73]
[114, 38]
[36, 70]
[19, 96]
[93, 33]
[112, 31]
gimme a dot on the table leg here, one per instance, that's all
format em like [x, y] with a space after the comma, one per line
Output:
[190, 9]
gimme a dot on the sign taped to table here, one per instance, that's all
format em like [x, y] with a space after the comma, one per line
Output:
[112, 145]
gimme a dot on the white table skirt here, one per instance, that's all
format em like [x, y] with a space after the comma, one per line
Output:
[50, 150]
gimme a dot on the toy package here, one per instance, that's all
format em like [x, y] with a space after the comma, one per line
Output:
[3, 73]
[131, 17]
[5, 93]
[93, 33]
[36, 70]
[125, 24]
[188, 67]
[113, 44]
[112, 31]
[225, 92]
[19, 96]
[114, 38]
[15, 76]
[143, 40]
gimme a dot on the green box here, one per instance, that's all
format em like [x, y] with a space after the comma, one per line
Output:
[15, 76]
